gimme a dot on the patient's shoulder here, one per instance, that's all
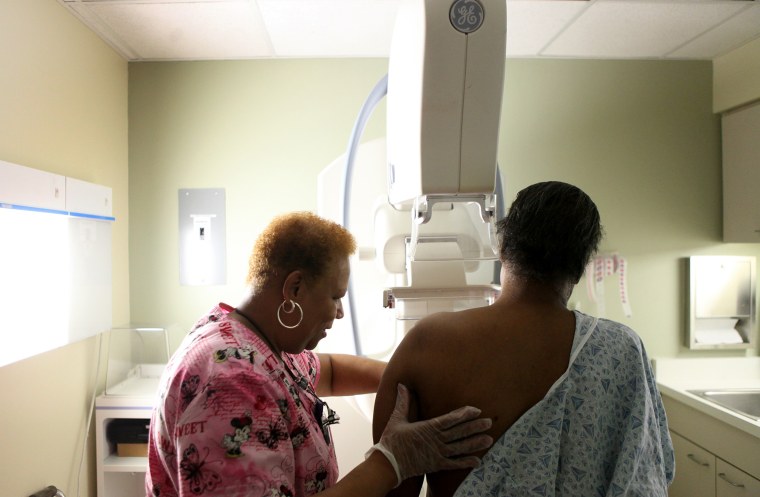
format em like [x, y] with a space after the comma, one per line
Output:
[436, 329]
[450, 321]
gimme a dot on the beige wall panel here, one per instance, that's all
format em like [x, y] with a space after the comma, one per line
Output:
[63, 109]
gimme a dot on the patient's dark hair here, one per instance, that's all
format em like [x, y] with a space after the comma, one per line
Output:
[550, 233]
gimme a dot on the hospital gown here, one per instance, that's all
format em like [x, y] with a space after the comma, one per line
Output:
[599, 431]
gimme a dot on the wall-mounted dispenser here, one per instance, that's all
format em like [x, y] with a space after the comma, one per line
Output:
[721, 302]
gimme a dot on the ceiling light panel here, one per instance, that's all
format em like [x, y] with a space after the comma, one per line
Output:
[341, 28]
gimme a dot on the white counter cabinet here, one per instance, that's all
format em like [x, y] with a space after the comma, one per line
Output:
[717, 450]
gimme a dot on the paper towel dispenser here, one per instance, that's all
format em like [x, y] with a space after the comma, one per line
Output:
[722, 302]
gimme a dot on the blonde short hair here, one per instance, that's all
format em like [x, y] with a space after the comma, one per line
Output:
[297, 241]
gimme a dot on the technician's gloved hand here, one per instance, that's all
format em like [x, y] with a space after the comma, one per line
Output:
[429, 446]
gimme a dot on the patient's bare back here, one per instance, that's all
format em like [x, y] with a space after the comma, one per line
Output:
[502, 359]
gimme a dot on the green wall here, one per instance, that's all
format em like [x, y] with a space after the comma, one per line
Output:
[639, 136]
[262, 130]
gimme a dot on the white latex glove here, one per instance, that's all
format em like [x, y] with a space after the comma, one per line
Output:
[429, 446]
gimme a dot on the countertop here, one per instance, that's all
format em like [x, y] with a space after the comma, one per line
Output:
[138, 390]
[676, 376]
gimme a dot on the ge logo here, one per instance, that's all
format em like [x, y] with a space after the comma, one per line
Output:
[466, 15]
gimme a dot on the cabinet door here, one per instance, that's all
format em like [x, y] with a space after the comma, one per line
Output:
[741, 175]
[733, 482]
[695, 470]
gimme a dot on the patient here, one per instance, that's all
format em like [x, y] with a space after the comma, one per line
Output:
[574, 404]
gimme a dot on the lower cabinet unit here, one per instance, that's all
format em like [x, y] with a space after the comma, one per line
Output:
[699, 473]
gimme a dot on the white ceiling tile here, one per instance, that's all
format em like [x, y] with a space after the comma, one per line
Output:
[733, 33]
[532, 24]
[340, 28]
[638, 29]
[229, 29]
[204, 30]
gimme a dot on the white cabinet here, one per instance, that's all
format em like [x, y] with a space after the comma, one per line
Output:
[119, 476]
[741, 175]
[713, 457]
[699, 473]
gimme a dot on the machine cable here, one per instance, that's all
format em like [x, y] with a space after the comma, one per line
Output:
[375, 96]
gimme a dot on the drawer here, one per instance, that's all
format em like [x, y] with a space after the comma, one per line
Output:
[695, 470]
[733, 482]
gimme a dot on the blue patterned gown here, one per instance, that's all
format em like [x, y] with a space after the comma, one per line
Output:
[599, 431]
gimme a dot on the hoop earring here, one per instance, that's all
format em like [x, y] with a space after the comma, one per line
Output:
[293, 307]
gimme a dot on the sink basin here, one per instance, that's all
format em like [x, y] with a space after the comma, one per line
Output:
[743, 401]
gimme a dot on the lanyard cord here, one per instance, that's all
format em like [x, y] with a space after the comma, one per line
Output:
[302, 382]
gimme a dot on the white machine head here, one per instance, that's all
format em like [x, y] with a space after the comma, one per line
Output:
[445, 85]
[426, 228]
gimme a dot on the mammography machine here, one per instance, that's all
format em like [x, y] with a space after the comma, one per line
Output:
[422, 203]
